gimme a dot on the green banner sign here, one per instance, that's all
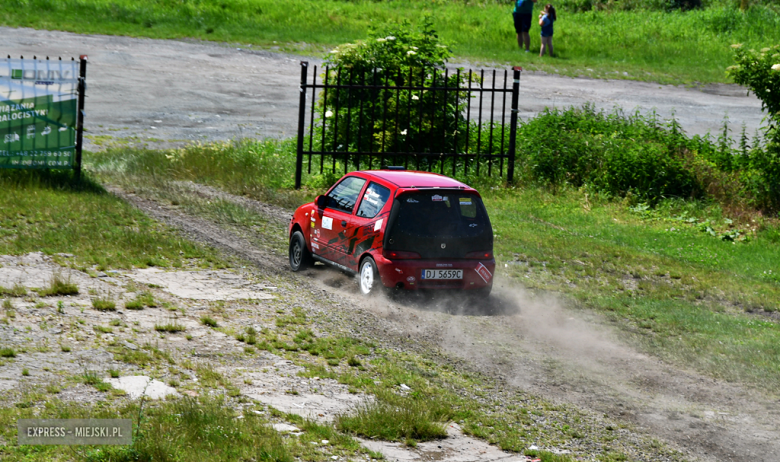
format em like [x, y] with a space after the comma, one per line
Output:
[38, 105]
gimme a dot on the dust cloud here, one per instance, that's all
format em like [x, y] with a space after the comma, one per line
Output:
[537, 343]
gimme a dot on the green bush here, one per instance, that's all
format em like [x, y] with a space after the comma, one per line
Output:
[389, 120]
[760, 72]
[611, 152]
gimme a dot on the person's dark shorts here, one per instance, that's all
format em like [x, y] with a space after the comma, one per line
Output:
[522, 22]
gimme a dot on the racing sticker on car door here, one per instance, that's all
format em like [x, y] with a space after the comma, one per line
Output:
[483, 272]
[327, 223]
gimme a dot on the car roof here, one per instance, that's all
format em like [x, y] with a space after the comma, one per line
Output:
[415, 179]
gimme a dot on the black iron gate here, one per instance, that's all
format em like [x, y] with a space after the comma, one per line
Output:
[426, 119]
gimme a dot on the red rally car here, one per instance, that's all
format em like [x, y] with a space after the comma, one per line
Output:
[398, 229]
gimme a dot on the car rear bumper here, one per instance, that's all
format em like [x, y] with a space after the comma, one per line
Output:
[407, 274]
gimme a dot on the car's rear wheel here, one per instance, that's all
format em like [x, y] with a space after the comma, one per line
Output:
[368, 278]
[300, 258]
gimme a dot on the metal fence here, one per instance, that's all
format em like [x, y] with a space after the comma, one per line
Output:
[426, 119]
[42, 113]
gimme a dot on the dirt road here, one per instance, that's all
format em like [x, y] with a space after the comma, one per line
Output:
[169, 92]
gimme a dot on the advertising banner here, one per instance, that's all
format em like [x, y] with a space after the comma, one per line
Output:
[38, 108]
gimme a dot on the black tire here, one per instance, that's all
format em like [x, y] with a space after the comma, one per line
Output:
[300, 258]
[369, 282]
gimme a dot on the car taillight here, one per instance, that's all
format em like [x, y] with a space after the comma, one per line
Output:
[400, 255]
[480, 255]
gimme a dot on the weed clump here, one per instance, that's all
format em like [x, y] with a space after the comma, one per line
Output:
[398, 418]
[208, 321]
[171, 327]
[144, 299]
[104, 304]
[7, 353]
[17, 290]
[59, 286]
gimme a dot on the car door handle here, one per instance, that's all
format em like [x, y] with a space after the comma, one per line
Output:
[343, 223]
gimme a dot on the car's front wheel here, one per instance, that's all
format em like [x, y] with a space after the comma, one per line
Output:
[368, 278]
[300, 258]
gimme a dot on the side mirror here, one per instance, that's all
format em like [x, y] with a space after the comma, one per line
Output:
[321, 201]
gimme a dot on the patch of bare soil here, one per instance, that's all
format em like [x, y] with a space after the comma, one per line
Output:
[533, 343]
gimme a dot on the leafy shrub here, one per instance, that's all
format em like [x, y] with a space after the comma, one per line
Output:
[760, 72]
[373, 119]
[611, 152]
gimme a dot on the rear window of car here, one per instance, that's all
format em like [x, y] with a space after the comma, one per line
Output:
[432, 213]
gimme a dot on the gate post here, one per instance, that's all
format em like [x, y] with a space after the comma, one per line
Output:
[82, 87]
[510, 174]
[301, 123]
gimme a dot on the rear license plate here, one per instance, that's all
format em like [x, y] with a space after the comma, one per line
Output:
[442, 274]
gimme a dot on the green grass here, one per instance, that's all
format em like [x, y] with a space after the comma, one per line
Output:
[208, 321]
[392, 417]
[260, 169]
[17, 290]
[646, 45]
[52, 213]
[103, 304]
[143, 299]
[7, 353]
[206, 430]
[687, 296]
[59, 286]
[170, 327]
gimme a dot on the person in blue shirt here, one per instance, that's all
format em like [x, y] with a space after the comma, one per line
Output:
[546, 20]
[521, 14]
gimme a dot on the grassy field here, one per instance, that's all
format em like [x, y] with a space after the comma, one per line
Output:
[45, 213]
[690, 281]
[675, 47]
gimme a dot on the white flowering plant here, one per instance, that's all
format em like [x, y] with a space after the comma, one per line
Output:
[759, 71]
[377, 117]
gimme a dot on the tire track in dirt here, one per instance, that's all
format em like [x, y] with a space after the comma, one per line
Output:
[204, 231]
